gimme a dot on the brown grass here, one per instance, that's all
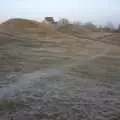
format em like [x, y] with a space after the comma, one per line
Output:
[70, 28]
[25, 26]
[40, 29]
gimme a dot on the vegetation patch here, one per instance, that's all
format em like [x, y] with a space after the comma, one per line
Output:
[8, 105]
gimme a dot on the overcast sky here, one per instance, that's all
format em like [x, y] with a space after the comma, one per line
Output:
[97, 11]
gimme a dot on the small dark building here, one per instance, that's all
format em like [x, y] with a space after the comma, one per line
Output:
[49, 20]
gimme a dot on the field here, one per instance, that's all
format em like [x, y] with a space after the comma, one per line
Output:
[60, 75]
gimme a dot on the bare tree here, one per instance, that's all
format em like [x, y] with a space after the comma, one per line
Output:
[109, 25]
[63, 21]
[89, 25]
[77, 24]
[118, 27]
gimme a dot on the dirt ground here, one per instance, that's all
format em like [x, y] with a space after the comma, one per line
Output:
[59, 79]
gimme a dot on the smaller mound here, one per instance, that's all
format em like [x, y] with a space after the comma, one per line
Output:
[73, 30]
[26, 26]
[113, 39]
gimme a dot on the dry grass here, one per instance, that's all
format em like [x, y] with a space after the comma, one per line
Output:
[28, 27]
[7, 105]
[34, 29]
[70, 29]
[35, 53]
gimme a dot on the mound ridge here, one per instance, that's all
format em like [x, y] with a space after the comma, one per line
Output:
[26, 26]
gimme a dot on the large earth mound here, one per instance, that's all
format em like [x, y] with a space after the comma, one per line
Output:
[25, 26]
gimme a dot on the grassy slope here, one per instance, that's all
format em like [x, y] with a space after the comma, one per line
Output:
[21, 53]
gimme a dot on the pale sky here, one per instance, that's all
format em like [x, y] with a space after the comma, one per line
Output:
[97, 11]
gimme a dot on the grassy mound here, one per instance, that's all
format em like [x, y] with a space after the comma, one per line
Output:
[26, 26]
[74, 30]
[36, 29]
